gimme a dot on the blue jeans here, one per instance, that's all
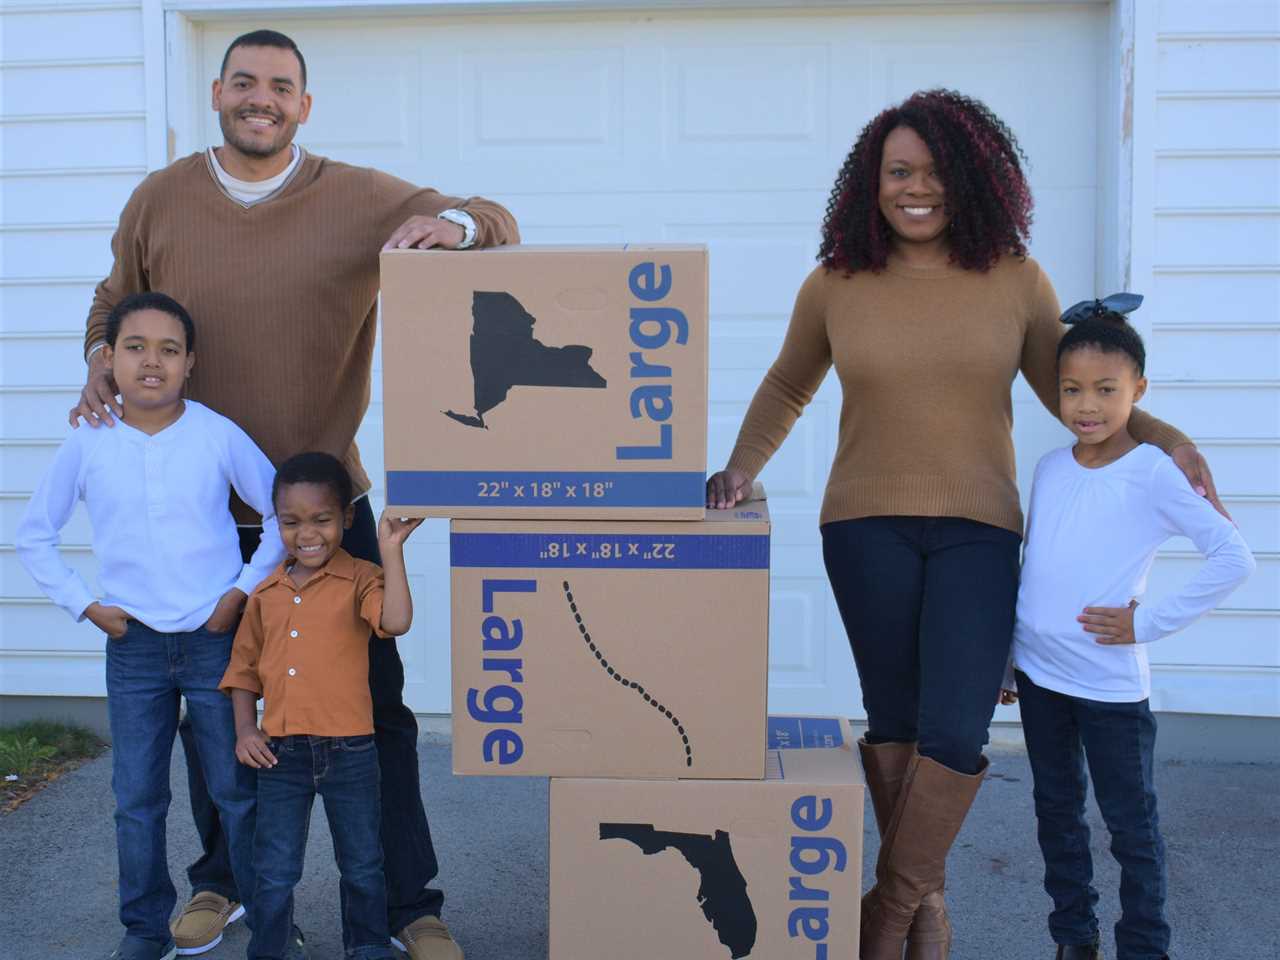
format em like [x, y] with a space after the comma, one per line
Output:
[928, 604]
[409, 857]
[147, 673]
[1117, 740]
[344, 771]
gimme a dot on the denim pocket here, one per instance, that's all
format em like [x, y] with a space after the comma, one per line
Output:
[355, 744]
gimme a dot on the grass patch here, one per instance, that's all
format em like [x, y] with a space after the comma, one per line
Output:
[35, 753]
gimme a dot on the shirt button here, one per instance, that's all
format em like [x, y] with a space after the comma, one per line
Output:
[292, 672]
[297, 599]
[293, 633]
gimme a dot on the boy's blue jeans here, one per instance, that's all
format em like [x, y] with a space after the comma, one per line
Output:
[147, 673]
[1117, 740]
[344, 771]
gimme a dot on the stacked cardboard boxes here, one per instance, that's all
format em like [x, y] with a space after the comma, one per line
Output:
[553, 402]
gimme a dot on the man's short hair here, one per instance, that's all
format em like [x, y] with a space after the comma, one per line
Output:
[265, 38]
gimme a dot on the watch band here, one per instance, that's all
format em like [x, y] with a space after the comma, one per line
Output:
[465, 221]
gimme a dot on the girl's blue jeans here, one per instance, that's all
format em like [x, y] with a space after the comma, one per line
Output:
[344, 772]
[1117, 741]
[147, 673]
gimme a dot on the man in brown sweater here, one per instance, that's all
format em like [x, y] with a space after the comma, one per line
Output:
[274, 251]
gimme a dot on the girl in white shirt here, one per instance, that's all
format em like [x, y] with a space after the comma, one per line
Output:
[1099, 511]
[157, 485]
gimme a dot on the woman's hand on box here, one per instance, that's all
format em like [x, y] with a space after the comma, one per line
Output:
[727, 488]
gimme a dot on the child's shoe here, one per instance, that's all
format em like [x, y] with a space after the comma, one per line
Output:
[198, 928]
[1089, 951]
[427, 938]
[133, 949]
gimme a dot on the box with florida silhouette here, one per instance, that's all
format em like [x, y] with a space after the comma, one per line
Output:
[546, 382]
[715, 869]
[608, 648]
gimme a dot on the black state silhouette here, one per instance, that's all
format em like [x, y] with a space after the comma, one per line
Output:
[722, 891]
[504, 354]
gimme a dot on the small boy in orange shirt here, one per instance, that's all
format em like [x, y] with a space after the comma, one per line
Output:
[304, 645]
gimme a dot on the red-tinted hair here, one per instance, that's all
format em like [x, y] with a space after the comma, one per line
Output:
[979, 162]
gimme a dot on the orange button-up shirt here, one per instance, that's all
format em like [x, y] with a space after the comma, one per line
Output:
[305, 650]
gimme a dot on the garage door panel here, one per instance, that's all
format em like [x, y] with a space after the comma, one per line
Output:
[389, 130]
[797, 608]
[1064, 241]
[765, 99]
[558, 103]
[1009, 76]
[724, 128]
[745, 345]
[756, 265]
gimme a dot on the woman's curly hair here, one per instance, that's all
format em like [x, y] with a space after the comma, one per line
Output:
[978, 160]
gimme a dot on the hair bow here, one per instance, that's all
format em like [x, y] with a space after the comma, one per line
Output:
[1121, 303]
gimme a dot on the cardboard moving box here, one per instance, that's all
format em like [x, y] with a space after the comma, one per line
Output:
[713, 870]
[611, 649]
[546, 382]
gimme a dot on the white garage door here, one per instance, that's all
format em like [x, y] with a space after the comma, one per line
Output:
[720, 128]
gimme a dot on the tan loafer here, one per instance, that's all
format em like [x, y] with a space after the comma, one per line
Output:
[198, 928]
[427, 938]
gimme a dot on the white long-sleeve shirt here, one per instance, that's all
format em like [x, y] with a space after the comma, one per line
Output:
[1092, 536]
[166, 543]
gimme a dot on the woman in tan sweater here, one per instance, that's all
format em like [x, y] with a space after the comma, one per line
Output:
[927, 305]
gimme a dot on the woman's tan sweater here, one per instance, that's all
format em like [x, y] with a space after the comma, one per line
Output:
[926, 360]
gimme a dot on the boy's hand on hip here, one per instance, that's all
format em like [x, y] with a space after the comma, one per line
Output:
[112, 621]
[394, 531]
[252, 749]
[1007, 697]
[1113, 625]
[226, 614]
[98, 398]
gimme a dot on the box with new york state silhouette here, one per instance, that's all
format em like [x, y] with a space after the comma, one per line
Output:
[546, 382]
[715, 869]
[612, 649]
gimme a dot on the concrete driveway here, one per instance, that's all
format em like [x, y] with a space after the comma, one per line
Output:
[1221, 822]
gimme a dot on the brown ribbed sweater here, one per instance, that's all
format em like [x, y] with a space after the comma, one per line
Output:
[926, 359]
[283, 293]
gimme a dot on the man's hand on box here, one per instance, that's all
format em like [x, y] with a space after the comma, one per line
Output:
[424, 233]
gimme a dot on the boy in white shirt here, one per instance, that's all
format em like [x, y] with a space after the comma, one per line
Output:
[157, 489]
[1099, 511]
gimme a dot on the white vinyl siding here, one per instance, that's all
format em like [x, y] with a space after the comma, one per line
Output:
[1214, 326]
[73, 136]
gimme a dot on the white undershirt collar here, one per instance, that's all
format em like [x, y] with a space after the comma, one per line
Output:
[250, 192]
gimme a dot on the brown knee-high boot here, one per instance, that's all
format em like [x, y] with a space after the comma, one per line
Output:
[932, 803]
[885, 764]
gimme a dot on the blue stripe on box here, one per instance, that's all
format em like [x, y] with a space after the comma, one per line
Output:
[622, 550]
[796, 733]
[545, 488]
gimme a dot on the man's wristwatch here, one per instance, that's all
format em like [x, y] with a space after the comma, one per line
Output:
[464, 220]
